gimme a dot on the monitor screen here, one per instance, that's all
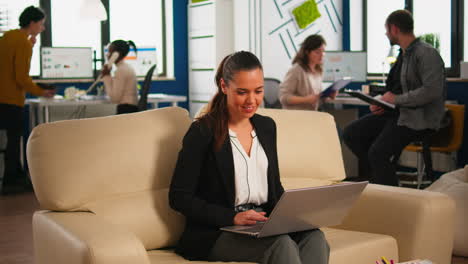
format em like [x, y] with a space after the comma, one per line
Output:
[339, 64]
[141, 61]
[66, 62]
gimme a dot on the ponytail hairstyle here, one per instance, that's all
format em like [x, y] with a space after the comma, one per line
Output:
[123, 47]
[311, 43]
[217, 116]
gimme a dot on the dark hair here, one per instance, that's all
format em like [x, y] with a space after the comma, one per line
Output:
[402, 19]
[217, 116]
[123, 47]
[30, 13]
[311, 43]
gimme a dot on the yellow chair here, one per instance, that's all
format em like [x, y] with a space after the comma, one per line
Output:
[447, 140]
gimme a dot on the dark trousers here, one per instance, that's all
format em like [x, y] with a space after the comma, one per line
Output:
[294, 248]
[126, 109]
[12, 120]
[377, 140]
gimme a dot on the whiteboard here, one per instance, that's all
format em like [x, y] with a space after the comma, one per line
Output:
[339, 64]
[66, 62]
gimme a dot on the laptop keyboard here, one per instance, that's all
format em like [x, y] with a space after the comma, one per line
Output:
[256, 228]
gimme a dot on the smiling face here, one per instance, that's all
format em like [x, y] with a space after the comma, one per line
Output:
[316, 56]
[244, 93]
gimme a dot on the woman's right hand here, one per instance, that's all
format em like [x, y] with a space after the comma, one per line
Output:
[250, 217]
[312, 99]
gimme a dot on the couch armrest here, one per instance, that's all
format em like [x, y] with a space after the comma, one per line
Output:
[83, 238]
[422, 222]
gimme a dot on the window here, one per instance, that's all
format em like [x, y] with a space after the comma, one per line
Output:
[432, 19]
[142, 21]
[9, 19]
[435, 21]
[356, 25]
[147, 22]
[377, 44]
[69, 29]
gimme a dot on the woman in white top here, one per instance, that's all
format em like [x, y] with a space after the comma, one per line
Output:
[122, 87]
[227, 174]
[302, 84]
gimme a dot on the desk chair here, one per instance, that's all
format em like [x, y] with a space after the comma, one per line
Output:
[271, 99]
[446, 140]
[143, 101]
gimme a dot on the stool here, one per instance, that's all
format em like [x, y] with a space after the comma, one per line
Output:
[446, 140]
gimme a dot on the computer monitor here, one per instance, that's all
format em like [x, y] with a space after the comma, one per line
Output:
[339, 64]
[66, 62]
[141, 61]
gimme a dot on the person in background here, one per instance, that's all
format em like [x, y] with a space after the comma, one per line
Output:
[122, 87]
[15, 58]
[227, 174]
[416, 86]
[302, 84]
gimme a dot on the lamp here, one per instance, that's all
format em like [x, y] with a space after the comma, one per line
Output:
[390, 59]
[392, 55]
[93, 9]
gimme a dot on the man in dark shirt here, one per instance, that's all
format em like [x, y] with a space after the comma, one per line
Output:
[416, 86]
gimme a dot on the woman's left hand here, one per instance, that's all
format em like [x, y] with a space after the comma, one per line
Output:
[250, 217]
[333, 95]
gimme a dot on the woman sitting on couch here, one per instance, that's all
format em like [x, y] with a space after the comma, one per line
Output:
[227, 174]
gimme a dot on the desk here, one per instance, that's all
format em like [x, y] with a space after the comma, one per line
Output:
[39, 108]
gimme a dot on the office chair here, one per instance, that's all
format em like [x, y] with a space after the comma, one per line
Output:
[446, 140]
[143, 101]
[271, 88]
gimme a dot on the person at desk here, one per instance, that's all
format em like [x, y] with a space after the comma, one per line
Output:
[122, 87]
[416, 86]
[227, 174]
[302, 84]
[15, 57]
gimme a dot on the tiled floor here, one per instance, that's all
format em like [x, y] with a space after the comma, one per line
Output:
[16, 231]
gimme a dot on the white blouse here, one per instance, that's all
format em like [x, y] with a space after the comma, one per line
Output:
[250, 172]
[315, 81]
[122, 88]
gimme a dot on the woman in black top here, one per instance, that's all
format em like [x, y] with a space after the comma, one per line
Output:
[227, 174]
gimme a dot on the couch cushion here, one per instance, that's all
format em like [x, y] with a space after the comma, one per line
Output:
[146, 214]
[308, 144]
[345, 247]
[76, 162]
[454, 185]
[359, 247]
[296, 183]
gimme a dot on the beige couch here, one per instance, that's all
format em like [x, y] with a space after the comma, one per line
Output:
[455, 185]
[102, 184]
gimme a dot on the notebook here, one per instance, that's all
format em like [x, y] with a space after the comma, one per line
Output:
[335, 86]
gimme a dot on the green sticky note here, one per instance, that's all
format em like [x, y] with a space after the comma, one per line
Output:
[306, 13]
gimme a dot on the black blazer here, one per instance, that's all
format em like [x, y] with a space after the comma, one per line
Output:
[203, 187]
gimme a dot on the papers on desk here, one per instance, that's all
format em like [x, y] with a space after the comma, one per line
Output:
[371, 100]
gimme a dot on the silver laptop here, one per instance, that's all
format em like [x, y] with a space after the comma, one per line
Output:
[306, 209]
